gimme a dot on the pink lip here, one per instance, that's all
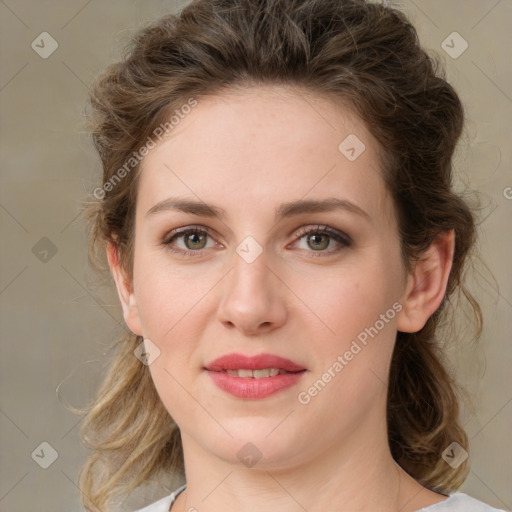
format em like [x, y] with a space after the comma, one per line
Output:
[239, 361]
[241, 387]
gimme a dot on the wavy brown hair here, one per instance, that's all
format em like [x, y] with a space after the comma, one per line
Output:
[364, 54]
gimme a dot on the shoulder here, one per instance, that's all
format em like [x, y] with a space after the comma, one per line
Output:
[163, 504]
[457, 502]
[460, 502]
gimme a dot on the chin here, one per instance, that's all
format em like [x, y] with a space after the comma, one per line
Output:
[262, 443]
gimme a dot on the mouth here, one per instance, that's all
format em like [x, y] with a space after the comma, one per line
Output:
[256, 374]
[252, 377]
[256, 367]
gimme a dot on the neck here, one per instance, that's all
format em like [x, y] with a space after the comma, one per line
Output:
[357, 475]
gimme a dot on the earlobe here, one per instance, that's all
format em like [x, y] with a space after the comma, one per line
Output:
[124, 290]
[426, 284]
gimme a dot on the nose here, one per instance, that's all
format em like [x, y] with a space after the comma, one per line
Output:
[252, 298]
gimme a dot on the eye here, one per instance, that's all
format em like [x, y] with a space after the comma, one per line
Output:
[194, 240]
[319, 238]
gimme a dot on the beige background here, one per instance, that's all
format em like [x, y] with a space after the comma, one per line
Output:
[56, 326]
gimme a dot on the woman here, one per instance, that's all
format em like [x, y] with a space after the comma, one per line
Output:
[277, 214]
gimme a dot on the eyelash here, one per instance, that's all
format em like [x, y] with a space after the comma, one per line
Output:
[343, 239]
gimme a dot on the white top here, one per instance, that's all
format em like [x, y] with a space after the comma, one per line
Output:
[457, 502]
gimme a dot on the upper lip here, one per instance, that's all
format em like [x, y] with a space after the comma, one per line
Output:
[257, 362]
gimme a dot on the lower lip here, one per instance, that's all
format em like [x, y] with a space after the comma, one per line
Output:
[242, 387]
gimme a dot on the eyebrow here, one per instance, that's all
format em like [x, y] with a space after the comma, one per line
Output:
[289, 209]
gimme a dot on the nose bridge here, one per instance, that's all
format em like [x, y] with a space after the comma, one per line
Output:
[251, 271]
[252, 298]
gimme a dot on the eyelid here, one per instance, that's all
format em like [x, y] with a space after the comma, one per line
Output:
[186, 229]
[324, 229]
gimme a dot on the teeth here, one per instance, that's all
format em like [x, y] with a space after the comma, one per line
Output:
[256, 374]
[259, 374]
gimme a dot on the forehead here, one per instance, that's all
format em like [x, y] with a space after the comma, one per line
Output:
[260, 146]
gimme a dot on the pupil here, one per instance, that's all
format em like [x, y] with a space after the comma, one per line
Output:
[318, 244]
[196, 239]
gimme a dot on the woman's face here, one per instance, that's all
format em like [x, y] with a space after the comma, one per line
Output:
[297, 256]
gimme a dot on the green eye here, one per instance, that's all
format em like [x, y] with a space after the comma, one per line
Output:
[194, 241]
[319, 238]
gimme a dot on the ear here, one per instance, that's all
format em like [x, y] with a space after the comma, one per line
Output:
[426, 284]
[124, 290]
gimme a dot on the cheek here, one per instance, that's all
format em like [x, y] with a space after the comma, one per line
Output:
[352, 299]
[168, 296]
[351, 365]
[359, 307]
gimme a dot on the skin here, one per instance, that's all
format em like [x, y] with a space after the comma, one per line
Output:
[249, 151]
